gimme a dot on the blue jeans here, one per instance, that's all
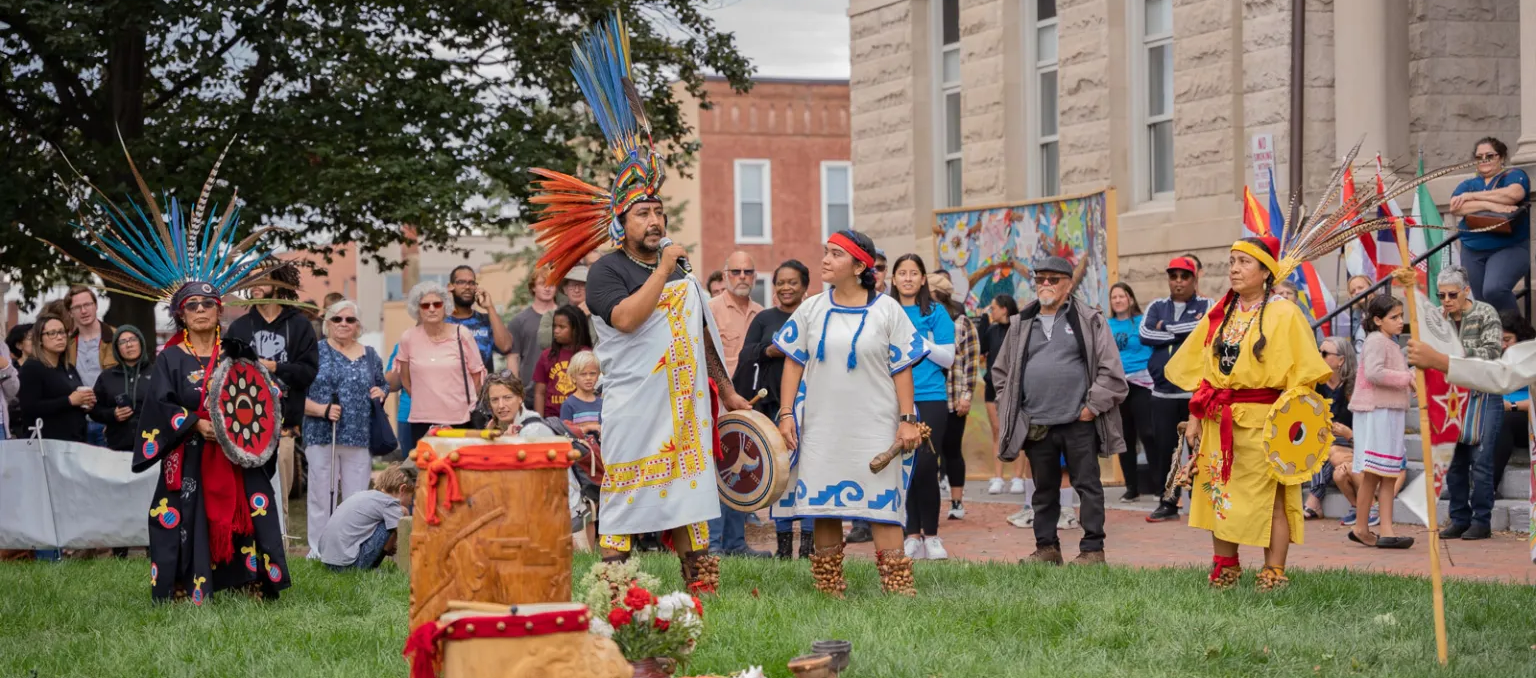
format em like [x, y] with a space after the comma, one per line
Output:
[1493, 273]
[728, 531]
[96, 434]
[1471, 472]
[782, 525]
[370, 554]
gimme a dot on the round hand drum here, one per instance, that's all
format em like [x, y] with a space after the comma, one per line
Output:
[754, 466]
[1297, 433]
[244, 409]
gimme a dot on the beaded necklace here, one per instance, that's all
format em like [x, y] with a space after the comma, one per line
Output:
[641, 264]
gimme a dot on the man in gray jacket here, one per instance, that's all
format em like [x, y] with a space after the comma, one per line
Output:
[1059, 386]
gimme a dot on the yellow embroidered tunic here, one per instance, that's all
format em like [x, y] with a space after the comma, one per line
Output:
[1241, 510]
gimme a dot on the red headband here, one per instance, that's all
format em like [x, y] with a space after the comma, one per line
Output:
[854, 250]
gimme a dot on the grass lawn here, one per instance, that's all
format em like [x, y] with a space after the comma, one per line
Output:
[94, 619]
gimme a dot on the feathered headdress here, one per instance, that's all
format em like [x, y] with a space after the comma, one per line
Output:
[577, 217]
[169, 256]
[1325, 231]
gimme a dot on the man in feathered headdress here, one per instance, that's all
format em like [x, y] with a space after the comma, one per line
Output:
[656, 340]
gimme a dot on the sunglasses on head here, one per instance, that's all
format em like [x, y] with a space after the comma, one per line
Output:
[196, 306]
[430, 305]
[345, 319]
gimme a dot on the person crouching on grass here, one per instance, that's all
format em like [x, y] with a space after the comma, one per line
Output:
[362, 530]
[1380, 403]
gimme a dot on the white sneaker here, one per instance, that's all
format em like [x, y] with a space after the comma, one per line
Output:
[935, 547]
[914, 548]
[956, 510]
[943, 486]
[1016, 487]
[995, 486]
[1024, 518]
[1068, 520]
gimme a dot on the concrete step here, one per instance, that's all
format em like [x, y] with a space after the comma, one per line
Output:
[1508, 514]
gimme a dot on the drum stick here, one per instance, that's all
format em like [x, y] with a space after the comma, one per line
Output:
[487, 434]
[761, 393]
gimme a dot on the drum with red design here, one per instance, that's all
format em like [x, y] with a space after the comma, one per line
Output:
[244, 408]
[754, 464]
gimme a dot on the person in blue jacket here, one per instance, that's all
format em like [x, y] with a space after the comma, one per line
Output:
[1136, 410]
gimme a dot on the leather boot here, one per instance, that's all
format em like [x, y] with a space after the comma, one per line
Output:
[786, 550]
[895, 572]
[827, 570]
[807, 544]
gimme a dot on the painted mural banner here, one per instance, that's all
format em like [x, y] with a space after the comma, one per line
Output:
[988, 250]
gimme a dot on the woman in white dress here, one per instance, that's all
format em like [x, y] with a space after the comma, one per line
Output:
[853, 347]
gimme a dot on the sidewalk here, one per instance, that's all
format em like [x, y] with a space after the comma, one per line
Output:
[984, 534]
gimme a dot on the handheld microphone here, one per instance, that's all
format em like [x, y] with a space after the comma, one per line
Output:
[682, 262]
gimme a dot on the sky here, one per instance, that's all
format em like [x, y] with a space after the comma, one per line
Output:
[788, 38]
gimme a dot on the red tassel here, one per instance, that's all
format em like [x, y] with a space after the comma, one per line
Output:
[421, 649]
[1219, 563]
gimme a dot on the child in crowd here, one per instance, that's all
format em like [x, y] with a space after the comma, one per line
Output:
[582, 413]
[551, 376]
[361, 531]
[1380, 404]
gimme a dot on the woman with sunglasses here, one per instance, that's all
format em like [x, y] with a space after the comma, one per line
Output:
[337, 415]
[1495, 259]
[51, 390]
[439, 363]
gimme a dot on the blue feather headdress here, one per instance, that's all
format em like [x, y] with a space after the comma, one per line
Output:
[168, 256]
[577, 217]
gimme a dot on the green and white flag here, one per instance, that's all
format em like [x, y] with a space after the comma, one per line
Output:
[1428, 218]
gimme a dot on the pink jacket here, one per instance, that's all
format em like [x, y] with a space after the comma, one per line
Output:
[1384, 381]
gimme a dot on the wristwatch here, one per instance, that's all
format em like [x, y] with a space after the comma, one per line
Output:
[908, 419]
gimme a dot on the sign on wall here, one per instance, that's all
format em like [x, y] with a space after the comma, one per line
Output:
[1263, 162]
[989, 250]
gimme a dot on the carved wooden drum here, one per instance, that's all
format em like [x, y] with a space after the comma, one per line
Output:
[754, 467]
[525, 641]
[491, 522]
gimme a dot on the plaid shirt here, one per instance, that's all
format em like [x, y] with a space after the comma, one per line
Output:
[962, 374]
[1482, 336]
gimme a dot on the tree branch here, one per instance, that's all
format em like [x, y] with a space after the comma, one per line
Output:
[199, 74]
[68, 84]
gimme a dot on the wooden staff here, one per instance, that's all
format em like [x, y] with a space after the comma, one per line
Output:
[1429, 462]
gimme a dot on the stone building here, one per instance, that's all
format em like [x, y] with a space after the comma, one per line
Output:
[772, 176]
[970, 102]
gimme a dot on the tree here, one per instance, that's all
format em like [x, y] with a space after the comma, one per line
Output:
[353, 118]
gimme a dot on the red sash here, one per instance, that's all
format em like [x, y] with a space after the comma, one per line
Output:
[1209, 402]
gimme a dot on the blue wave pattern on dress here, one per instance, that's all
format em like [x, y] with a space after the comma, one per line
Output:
[834, 494]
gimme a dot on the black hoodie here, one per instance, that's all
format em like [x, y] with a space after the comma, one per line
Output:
[289, 340]
[130, 381]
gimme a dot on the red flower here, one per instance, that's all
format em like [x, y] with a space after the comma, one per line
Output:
[637, 598]
[698, 606]
[662, 624]
[619, 616]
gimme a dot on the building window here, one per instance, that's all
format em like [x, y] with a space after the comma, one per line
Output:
[949, 96]
[393, 286]
[754, 204]
[762, 289]
[836, 197]
[1154, 69]
[1047, 151]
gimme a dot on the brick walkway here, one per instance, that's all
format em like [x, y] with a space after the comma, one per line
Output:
[985, 535]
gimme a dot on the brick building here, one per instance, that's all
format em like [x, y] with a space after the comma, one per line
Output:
[771, 177]
[970, 102]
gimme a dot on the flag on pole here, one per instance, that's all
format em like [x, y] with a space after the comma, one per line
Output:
[1311, 294]
[1425, 212]
[1255, 219]
[1360, 255]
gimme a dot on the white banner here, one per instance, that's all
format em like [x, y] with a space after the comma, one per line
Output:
[56, 494]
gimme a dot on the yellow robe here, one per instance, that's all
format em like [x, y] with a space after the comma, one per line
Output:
[1242, 509]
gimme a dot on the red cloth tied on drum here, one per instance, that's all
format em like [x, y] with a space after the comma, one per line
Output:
[424, 647]
[1209, 402]
[435, 466]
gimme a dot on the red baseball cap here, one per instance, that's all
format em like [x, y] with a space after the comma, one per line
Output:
[1182, 264]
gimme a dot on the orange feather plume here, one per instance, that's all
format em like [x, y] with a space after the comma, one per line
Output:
[572, 222]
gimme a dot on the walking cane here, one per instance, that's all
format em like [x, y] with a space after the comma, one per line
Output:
[335, 478]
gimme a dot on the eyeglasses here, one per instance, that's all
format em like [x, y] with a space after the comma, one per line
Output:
[54, 333]
[79, 307]
[195, 306]
[349, 319]
[1327, 354]
[741, 271]
[464, 283]
[879, 268]
[430, 305]
[1485, 157]
[1051, 280]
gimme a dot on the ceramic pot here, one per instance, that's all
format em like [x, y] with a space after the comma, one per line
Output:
[839, 650]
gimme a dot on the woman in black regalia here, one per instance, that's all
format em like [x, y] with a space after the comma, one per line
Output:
[212, 524]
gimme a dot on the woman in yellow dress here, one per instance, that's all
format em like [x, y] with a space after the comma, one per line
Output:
[1248, 350]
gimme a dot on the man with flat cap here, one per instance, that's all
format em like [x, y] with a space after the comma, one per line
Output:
[1059, 388]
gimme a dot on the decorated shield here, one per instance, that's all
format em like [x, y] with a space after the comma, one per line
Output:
[754, 467]
[244, 408]
[1297, 434]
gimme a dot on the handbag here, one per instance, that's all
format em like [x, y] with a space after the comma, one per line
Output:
[381, 435]
[1495, 223]
[1472, 421]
